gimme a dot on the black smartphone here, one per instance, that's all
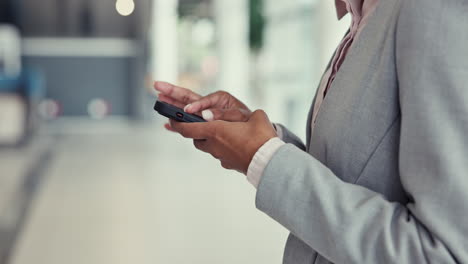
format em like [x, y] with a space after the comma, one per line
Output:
[176, 113]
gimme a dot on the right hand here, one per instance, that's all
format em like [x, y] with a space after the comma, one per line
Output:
[220, 105]
[216, 106]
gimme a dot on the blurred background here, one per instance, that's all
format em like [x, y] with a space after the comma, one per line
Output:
[88, 174]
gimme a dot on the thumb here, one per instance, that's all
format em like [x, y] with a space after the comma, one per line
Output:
[231, 115]
[259, 115]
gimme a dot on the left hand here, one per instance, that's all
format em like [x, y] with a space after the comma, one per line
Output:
[216, 106]
[233, 143]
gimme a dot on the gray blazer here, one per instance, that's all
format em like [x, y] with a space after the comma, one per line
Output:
[384, 177]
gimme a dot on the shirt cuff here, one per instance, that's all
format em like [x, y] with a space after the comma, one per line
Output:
[279, 131]
[261, 159]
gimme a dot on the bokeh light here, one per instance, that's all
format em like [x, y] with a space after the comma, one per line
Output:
[125, 7]
[98, 108]
[49, 109]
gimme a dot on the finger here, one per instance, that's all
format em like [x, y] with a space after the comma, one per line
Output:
[194, 130]
[231, 115]
[170, 100]
[206, 102]
[169, 127]
[179, 94]
[226, 165]
[200, 144]
[259, 116]
[207, 147]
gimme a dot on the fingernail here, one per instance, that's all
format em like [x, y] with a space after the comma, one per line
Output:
[187, 107]
[207, 115]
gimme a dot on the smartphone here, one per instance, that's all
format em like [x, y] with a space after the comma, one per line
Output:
[176, 113]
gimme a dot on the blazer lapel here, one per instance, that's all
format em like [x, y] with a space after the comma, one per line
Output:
[309, 117]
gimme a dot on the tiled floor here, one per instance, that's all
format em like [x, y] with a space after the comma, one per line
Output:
[137, 194]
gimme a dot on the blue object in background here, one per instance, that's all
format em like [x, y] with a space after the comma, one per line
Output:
[9, 85]
[30, 84]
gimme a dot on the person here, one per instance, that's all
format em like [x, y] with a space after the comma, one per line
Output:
[383, 176]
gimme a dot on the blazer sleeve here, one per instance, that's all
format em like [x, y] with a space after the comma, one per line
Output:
[290, 137]
[347, 223]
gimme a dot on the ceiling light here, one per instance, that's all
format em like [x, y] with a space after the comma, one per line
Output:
[125, 7]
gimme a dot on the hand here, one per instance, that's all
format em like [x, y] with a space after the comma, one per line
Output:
[220, 105]
[175, 95]
[216, 106]
[233, 143]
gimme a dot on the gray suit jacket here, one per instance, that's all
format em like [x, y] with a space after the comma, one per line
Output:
[384, 177]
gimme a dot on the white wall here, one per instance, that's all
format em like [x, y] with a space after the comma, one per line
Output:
[233, 48]
[300, 38]
[289, 61]
[164, 41]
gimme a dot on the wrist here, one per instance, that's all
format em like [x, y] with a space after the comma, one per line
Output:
[260, 131]
[255, 145]
[261, 159]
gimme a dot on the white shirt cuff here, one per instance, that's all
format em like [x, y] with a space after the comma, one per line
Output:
[279, 131]
[261, 159]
